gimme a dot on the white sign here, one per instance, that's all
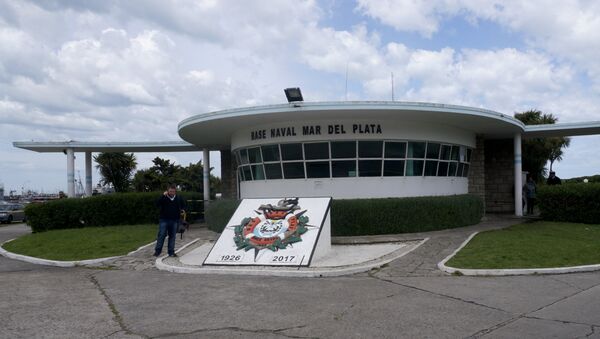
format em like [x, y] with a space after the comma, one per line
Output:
[274, 232]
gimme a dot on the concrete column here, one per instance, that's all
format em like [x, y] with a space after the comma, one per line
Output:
[206, 174]
[70, 173]
[88, 174]
[518, 176]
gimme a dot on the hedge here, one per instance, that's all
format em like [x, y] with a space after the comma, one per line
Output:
[350, 217]
[101, 210]
[578, 203]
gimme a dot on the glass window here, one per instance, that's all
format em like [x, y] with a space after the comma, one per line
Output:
[463, 154]
[370, 149]
[343, 168]
[465, 172]
[270, 152]
[244, 157]
[246, 172]
[414, 167]
[254, 155]
[317, 169]
[237, 157]
[343, 149]
[460, 169]
[319, 150]
[455, 153]
[293, 170]
[452, 169]
[442, 169]
[258, 172]
[369, 168]
[433, 151]
[416, 150]
[395, 149]
[445, 154]
[291, 152]
[431, 168]
[469, 154]
[393, 168]
[273, 171]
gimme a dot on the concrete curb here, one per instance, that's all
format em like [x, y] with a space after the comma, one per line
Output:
[311, 272]
[504, 272]
[60, 263]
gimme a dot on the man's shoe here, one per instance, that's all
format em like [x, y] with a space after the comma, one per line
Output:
[173, 255]
[156, 254]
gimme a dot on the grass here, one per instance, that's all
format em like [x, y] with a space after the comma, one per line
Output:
[83, 243]
[532, 245]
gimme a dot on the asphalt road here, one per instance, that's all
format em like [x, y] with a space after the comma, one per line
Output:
[407, 299]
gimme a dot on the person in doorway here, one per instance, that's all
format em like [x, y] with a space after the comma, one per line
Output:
[553, 179]
[530, 189]
[171, 205]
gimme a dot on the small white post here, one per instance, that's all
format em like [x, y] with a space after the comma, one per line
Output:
[70, 173]
[518, 176]
[206, 174]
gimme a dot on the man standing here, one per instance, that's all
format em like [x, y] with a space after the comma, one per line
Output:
[553, 179]
[170, 206]
[530, 189]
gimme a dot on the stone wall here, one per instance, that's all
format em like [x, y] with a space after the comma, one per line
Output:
[499, 176]
[228, 175]
[477, 169]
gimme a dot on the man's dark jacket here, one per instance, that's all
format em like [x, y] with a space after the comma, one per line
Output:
[170, 209]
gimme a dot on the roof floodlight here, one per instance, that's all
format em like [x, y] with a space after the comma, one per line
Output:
[293, 94]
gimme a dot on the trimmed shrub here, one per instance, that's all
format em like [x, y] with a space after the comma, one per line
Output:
[350, 217]
[101, 210]
[404, 215]
[571, 203]
[218, 213]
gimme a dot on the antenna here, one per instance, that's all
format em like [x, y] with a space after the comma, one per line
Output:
[392, 86]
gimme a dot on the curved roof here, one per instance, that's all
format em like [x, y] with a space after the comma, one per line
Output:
[114, 146]
[213, 130]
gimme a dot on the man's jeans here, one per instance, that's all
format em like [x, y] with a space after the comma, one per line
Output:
[166, 227]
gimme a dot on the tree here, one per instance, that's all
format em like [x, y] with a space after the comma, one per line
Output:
[538, 151]
[116, 169]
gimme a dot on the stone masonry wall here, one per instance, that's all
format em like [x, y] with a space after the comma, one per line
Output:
[499, 176]
[477, 169]
[228, 175]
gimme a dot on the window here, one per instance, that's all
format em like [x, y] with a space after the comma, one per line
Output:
[369, 168]
[465, 172]
[455, 153]
[254, 155]
[433, 150]
[258, 173]
[317, 169]
[414, 167]
[370, 149]
[393, 168]
[291, 152]
[246, 173]
[445, 154]
[343, 149]
[293, 170]
[273, 171]
[416, 150]
[244, 156]
[442, 169]
[452, 169]
[270, 152]
[430, 168]
[343, 168]
[316, 151]
[395, 149]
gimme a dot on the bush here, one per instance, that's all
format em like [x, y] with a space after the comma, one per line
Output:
[350, 217]
[570, 203]
[218, 213]
[102, 210]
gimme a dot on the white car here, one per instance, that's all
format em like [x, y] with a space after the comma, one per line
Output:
[11, 212]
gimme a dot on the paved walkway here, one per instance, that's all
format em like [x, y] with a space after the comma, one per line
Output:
[407, 299]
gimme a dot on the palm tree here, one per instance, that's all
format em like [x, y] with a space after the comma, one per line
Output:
[116, 168]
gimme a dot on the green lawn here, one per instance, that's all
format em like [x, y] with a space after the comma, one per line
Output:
[83, 243]
[532, 245]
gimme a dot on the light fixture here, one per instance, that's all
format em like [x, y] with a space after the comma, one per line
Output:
[293, 94]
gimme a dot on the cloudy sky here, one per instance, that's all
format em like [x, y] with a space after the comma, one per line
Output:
[131, 70]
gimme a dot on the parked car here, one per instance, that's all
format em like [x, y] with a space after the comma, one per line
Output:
[11, 212]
